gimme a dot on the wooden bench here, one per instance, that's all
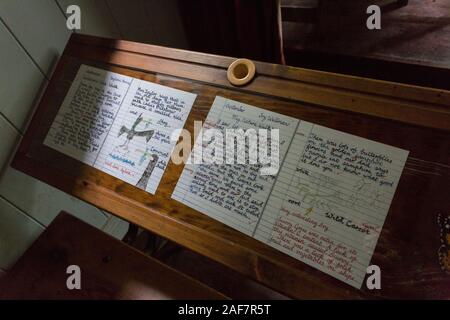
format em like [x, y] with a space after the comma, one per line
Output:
[109, 269]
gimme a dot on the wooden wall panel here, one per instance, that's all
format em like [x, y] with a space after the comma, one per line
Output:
[133, 21]
[149, 21]
[166, 21]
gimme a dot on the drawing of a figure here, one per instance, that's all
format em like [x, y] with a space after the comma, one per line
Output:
[144, 156]
[148, 134]
[143, 181]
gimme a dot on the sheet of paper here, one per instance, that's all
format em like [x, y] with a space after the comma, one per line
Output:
[234, 194]
[120, 125]
[87, 113]
[151, 113]
[330, 200]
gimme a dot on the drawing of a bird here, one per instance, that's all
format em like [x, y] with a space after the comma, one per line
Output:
[131, 133]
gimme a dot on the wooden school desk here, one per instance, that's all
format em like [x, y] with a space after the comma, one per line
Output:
[413, 118]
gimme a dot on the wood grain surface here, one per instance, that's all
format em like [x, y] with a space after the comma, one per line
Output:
[109, 269]
[413, 118]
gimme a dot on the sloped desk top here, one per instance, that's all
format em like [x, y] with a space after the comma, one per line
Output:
[413, 118]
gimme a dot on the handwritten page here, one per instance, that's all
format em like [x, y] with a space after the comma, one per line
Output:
[234, 194]
[327, 205]
[120, 125]
[330, 200]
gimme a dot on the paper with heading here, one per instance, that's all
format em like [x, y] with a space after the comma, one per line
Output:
[326, 206]
[120, 125]
[234, 194]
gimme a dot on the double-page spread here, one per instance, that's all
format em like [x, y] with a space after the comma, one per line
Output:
[120, 125]
[314, 193]
[327, 204]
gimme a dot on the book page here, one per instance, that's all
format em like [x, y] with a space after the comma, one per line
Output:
[232, 192]
[120, 125]
[87, 113]
[139, 145]
[330, 200]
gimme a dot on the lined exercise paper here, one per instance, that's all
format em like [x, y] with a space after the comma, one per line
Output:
[330, 200]
[120, 125]
[327, 204]
[153, 112]
[87, 113]
[234, 194]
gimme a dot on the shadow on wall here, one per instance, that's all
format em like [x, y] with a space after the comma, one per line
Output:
[28, 205]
